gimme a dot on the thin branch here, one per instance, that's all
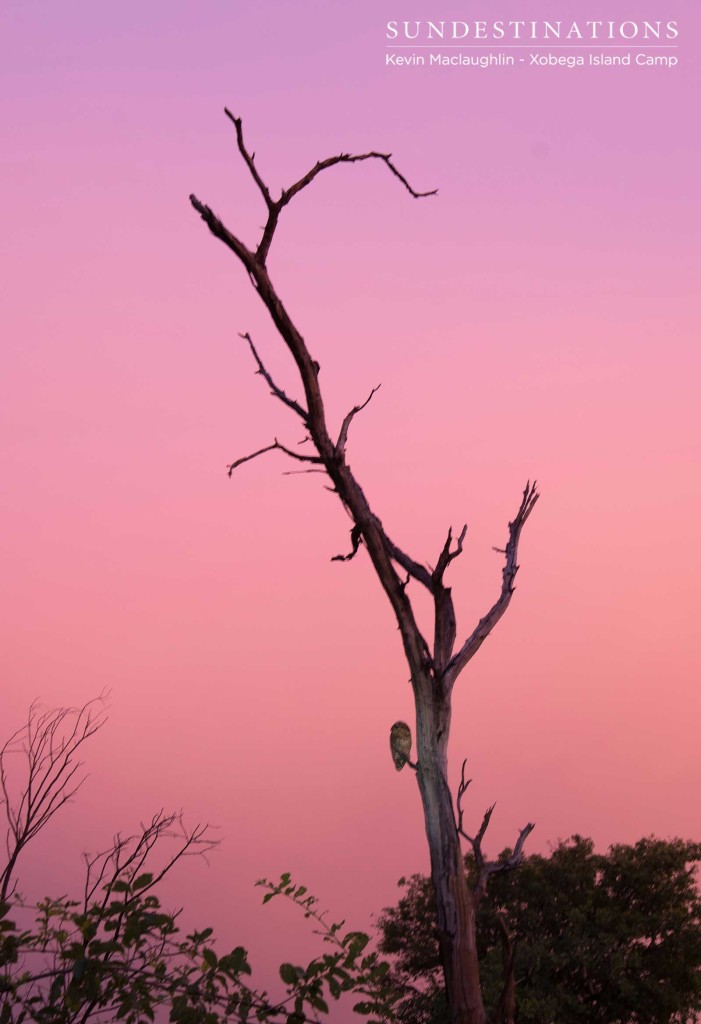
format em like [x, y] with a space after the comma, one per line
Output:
[348, 158]
[275, 446]
[249, 159]
[127, 856]
[274, 389]
[343, 435]
[486, 625]
[447, 556]
[221, 232]
[476, 841]
[48, 742]
[462, 789]
[356, 538]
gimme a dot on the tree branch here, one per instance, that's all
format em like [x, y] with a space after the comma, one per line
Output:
[419, 572]
[462, 789]
[223, 234]
[356, 538]
[347, 158]
[249, 159]
[445, 627]
[497, 867]
[343, 435]
[48, 742]
[274, 389]
[447, 556]
[275, 206]
[487, 868]
[487, 624]
[271, 448]
[346, 486]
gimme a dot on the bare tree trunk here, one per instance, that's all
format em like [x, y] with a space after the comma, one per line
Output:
[455, 902]
[433, 672]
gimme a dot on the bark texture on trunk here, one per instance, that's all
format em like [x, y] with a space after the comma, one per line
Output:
[433, 672]
[454, 900]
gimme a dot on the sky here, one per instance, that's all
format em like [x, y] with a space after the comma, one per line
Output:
[538, 318]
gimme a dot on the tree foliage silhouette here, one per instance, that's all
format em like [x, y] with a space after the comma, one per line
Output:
[597, 938]
[113, 952]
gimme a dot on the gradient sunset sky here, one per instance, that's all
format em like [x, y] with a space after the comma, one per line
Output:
[537, 318]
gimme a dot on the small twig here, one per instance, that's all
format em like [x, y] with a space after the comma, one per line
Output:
[343, 435]
[356, 538]
[271, 448]
[48, 743]
[462, 788]
[274, 389]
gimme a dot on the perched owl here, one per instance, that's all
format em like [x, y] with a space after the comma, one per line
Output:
[400, 744]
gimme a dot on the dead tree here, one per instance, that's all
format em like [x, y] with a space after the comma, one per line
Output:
[433, 668]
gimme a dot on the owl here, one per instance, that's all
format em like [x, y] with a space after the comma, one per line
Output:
[400, 744]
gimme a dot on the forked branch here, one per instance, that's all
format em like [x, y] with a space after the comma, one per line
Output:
[447, 556]
[445, 628]
[485, 868]
[130, 856]
[275, 206]
[486, 625]
[383, 552]
[275, 446]
[509, 863]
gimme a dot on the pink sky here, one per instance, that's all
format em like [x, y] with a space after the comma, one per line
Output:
[539, 317]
